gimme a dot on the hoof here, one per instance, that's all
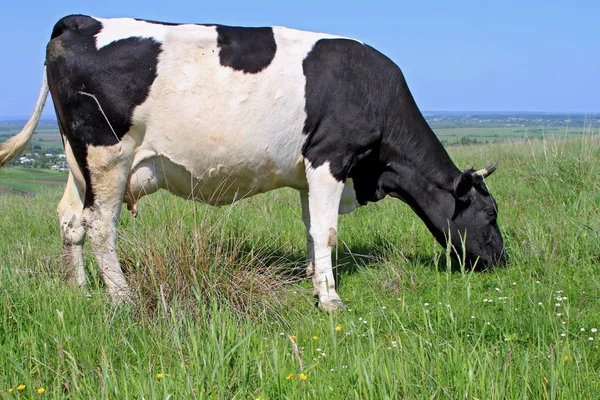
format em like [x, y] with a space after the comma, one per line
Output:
[332, 306]
[122, 297]
[310, 271]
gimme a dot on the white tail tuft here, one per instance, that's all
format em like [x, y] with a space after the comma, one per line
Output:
[16, 143]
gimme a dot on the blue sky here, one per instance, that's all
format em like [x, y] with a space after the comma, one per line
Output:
[525, 55]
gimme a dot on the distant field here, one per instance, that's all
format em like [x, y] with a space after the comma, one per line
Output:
[501, 134]
[30, 180]
[46, 135]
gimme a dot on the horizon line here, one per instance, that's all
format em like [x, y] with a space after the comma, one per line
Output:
[497, 112]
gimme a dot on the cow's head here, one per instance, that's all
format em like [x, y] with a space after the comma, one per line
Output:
[473, 222]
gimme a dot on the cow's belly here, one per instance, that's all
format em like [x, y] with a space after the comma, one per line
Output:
[219, 184]
[218, 187]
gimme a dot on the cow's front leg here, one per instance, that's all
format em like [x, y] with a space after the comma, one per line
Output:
[324, 193]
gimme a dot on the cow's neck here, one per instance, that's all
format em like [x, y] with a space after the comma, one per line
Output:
[419, 171]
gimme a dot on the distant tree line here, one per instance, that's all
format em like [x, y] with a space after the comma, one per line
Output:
[463, 141]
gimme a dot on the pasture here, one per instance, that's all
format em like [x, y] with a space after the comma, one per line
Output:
[30, 180]
[224, 310]
[46, 135]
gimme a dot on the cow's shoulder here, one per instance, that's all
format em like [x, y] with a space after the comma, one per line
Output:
[347, 102]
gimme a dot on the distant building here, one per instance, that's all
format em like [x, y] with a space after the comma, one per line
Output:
[60, 166]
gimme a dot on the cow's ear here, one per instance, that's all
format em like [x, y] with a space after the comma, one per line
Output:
[463, 184]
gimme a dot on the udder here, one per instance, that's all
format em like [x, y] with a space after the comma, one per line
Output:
[157, 173]
[143, 181]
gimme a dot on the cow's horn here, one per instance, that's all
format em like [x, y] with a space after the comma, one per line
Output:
[480, 175]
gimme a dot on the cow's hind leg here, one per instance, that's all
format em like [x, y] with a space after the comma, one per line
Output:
[324, 194]
[109, 168]
[72, 232]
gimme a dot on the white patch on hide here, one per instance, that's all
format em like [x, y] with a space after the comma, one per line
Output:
[114, 29]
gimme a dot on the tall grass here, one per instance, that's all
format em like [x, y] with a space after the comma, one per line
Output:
[197, 258]
[218, 316]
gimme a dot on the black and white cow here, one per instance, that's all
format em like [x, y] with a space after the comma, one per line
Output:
[217, 113]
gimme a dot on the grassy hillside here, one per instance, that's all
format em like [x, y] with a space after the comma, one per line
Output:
[30, 180]
[46, 134]
[217, 318]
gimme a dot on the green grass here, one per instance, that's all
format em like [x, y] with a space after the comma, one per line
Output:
[30, 180]
[415, 329]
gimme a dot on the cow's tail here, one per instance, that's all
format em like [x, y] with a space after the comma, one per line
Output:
[16, 143]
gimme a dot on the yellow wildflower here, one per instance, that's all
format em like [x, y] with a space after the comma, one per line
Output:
[566, 358]
[10, 390]
[315, 338]
[303, 377]
[160, 376]
[290, 376]
[20, 387]
[40, 390]
[338, 328]
[293, 337]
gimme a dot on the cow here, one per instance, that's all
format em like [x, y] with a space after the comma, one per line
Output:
[218, 113]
